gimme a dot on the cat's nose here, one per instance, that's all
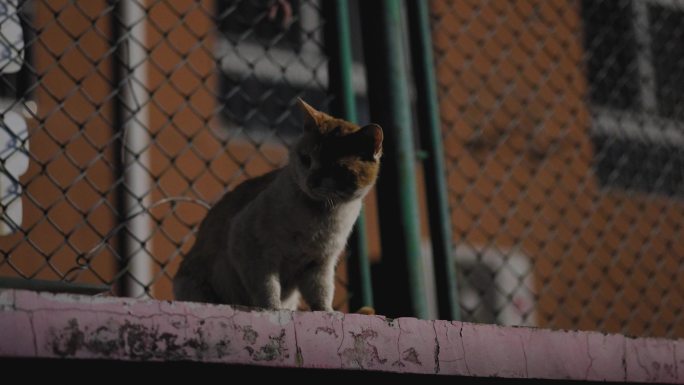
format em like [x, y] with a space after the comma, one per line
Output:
[314, 181]
[318, 181]
[328, 183]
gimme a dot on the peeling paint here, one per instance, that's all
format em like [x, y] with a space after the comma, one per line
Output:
[6, 300]
[363, 354]
[279, 317]
[114, 339]
[67, 341]
[465, 361]
[274, 350]
[437, 348]
[248, 334]
[299, 359]
[411, 355]
[50, 326]
[327, 330]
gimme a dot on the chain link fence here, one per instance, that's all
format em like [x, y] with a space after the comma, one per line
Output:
[131, 117]
[564, 139]
[562, 125]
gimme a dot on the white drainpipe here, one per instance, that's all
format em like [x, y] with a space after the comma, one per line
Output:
[136, 155]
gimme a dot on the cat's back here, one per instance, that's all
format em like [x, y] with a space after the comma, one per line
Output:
[233, 201]
[191, 281]
[237, 199]
[214, 228]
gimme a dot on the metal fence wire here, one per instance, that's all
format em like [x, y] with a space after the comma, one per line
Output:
[122, 121]
[563, 132]
[134, 116]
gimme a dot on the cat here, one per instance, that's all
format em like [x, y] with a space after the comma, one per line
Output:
[278, 236]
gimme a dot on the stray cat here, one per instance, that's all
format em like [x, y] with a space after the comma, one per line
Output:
[280, 234]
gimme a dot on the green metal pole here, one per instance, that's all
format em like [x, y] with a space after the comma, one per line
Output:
[360, 264]
[435, 175]
[338, 44]
[398, 278]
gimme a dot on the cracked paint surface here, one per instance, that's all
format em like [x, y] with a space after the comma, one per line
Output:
[69, 326]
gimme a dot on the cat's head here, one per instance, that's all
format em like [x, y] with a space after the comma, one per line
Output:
[335, 160]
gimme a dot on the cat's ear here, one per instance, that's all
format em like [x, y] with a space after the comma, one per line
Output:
[373, 135]
[312, 117]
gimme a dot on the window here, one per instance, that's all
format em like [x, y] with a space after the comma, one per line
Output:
[16, 79]
[272, 51]
[269, 22]
[495, 287]
[635, 71]
[16, 82]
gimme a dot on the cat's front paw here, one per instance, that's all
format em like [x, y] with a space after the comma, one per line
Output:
[366, 310]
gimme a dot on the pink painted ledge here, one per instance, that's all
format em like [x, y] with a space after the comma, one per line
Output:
[71, 326]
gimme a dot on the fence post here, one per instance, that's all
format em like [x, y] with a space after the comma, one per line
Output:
[398, 279]
[435, 174]
[131, 122]
[338, 45]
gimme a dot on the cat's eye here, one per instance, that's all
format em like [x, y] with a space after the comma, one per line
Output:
[305, 159]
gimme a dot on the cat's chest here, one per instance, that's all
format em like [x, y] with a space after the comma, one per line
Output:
[323, 235]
